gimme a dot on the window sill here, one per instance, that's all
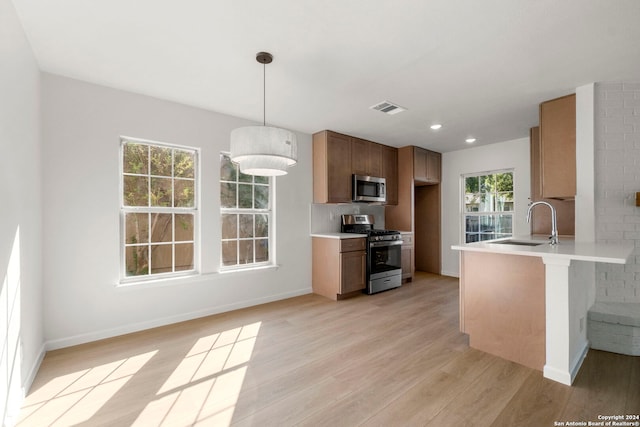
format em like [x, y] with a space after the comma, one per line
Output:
[188, 279]
[249, 269]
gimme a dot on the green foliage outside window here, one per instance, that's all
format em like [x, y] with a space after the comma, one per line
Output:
[156, 180]
[488, 204]
[245, 215]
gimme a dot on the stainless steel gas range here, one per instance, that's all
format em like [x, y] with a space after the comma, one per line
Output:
[384, 252]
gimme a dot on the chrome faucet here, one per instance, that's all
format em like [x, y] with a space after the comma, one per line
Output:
[553, 239]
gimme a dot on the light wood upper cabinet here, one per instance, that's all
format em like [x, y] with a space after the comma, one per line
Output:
[337, 157]
[426, 166]
[390, 173]
[331, 168]
[558, 147]
[565, 209]
[360, 162]
[375, 159]
[366, 157]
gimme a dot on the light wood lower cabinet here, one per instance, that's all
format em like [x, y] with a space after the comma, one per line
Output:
[502, 306]
[339, 266]
[408, 263]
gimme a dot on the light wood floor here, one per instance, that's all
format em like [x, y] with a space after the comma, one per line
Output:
[391, 359]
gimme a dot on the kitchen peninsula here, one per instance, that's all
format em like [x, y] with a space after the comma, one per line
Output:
[526, 301]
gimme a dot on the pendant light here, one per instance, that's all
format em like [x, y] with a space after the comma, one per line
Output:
[263, 150]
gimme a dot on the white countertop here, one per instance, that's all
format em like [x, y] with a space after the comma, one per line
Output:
[565, 249]
[338, 235]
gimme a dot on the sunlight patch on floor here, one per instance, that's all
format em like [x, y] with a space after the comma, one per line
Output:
[205, 386]
[76, 397]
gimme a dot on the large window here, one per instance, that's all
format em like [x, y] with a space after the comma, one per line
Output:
[245, 211]
[488, 206]
[159, 209]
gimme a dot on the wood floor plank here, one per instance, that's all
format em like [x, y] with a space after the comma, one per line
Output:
[355, 359]
[632, 406]
[601, 387]
[485, 398]
[394, 358]
[537, 403]
[425, 399]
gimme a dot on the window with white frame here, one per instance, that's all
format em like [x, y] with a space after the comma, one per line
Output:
[159, 209]
[488, 206]
[246, 217]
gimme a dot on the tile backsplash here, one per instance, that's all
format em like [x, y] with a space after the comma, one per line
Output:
[325, 218]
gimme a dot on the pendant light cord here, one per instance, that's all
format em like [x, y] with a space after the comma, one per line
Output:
[264, 94]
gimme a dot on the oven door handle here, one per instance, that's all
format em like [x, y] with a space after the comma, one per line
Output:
[385, 243]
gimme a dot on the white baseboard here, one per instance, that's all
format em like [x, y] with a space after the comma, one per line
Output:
[576, 364]
[450, 273]
[567, 377]
[141, 326]
[557, 375]
[34, 369]
[15, 403]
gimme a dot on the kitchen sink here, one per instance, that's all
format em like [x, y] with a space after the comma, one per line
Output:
[518, 243]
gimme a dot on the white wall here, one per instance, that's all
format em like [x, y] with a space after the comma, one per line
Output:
[504, 155]
[82, 124]
[21, 336]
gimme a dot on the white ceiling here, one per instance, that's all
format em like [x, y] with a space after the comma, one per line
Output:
[478, 67]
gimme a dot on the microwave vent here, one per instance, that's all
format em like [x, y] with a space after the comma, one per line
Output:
[388, 107]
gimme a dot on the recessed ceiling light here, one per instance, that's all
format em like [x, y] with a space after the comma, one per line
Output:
[436, 126]
[470, 140]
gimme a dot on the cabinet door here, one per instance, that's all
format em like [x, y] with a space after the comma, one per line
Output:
[366, 157]
[433, 166]
[338, 168]
[558, 147]
[565, 209]
[426, 166]
[360, 156]
[407, 264]
[419, 164]
[375, 159]
[353, 271]
[390, 173]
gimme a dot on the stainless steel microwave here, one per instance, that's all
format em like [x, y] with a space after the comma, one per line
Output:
[369, 189]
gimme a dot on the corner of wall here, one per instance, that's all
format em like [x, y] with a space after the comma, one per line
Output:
[585, 162]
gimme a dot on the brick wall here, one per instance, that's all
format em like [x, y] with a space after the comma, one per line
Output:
[617, 175]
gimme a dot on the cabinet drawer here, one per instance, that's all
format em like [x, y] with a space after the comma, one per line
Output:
[349, 245]
[407, 239]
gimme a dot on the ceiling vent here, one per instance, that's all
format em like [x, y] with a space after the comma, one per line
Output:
[388, 107]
